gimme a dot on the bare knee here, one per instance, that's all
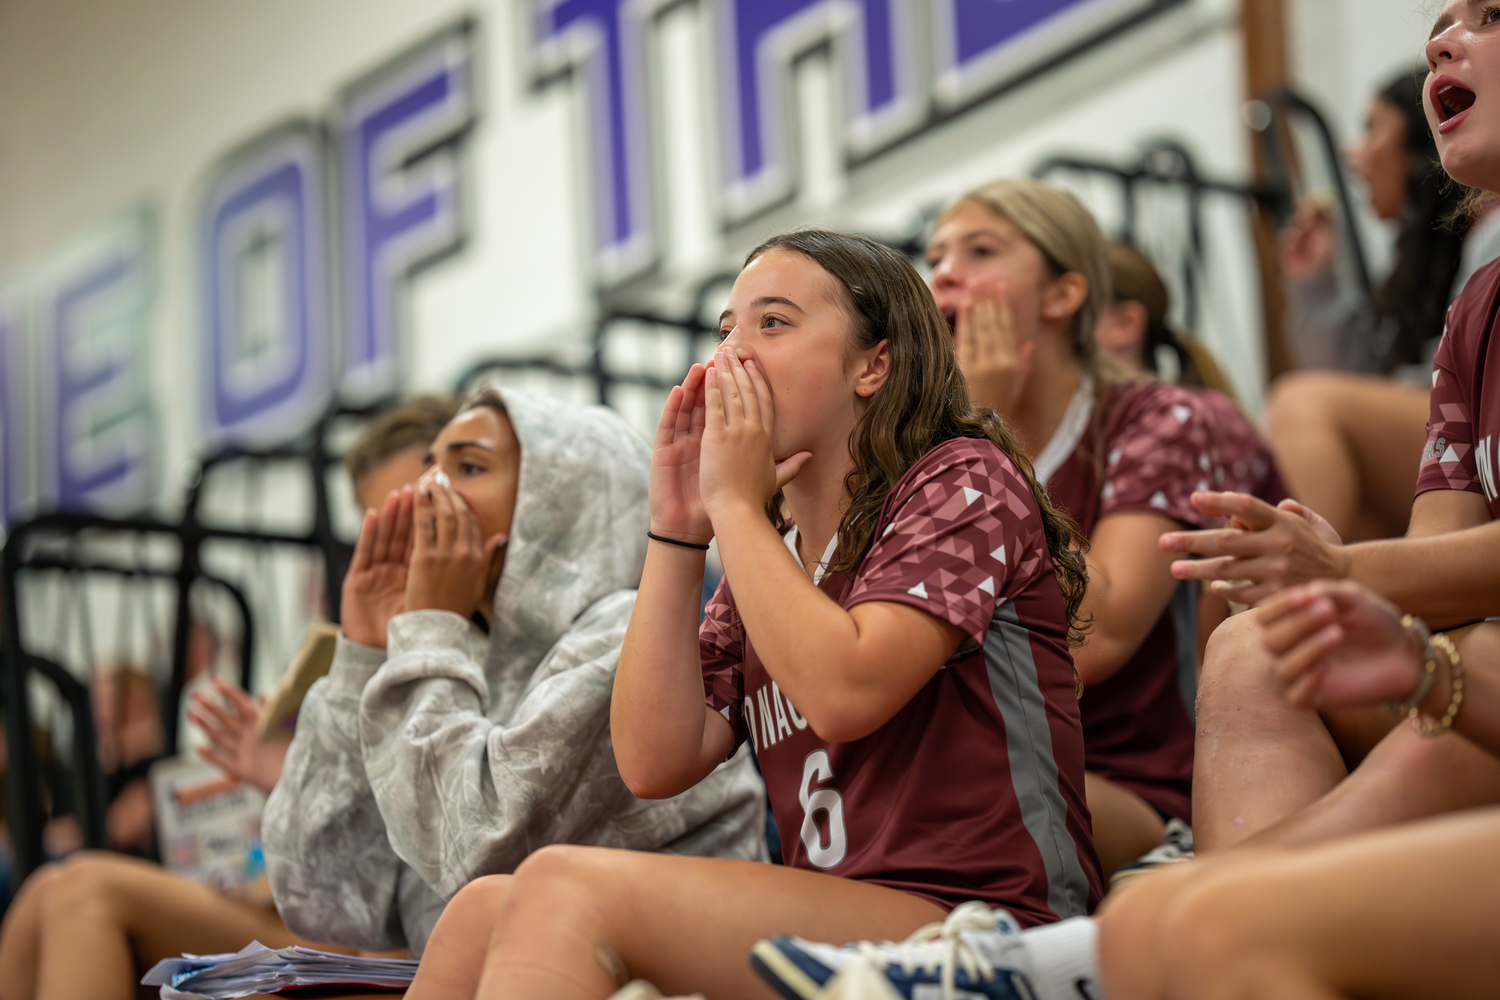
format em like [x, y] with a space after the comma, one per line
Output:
[24, 916]
[85, 883]
[1236, 667]
[477, 903]
[554, 871]
[1298, 400]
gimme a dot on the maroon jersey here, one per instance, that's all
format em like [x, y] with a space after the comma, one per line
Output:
[974, 789]
[1463, 426]
[1155, 445]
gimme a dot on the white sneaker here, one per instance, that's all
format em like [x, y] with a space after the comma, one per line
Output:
[976, 954]
[1176, 845]
[639, 989]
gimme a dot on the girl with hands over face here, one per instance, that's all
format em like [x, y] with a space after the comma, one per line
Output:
[464, 721]
[878, 538]
[454, 566]
[1023, 275]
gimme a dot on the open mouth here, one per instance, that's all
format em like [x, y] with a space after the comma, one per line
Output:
[1450, 100]
[950, 316]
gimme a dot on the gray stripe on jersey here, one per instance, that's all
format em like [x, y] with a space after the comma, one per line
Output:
[1033, 769]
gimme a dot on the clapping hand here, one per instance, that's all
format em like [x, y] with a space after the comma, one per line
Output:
[232, 725]
[1264, 549]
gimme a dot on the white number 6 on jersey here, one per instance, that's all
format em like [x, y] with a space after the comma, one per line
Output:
[815, 769]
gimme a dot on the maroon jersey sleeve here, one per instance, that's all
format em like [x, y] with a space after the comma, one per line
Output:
[959, 537]
[721, 648]
[1164, 442]
[1448, 456]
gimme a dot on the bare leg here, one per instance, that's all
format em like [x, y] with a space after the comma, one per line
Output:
[1316, 922]
[20, 935]
[685, 924]
[93, 923]
[1349, 446]
[1326, 921]
[1125, 825]
[455, 955]
[1258, 759]
[1405, 777]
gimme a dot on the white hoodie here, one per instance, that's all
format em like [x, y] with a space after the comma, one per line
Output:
[451, 754]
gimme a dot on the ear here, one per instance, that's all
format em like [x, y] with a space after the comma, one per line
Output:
[1064, 296]
[874, 367]
[1122, 328]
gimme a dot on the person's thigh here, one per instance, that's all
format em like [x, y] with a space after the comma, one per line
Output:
[1405, 912]
[685, 924]
[1349, 446]
[164, 914]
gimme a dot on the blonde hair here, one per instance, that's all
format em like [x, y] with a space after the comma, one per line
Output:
[1068, 238]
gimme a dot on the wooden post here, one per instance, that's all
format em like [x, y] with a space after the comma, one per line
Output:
[1263, 30]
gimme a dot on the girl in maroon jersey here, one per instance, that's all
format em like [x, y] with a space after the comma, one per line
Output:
[892, 634]
[1022, 273]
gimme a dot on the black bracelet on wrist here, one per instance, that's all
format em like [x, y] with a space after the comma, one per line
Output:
[673, 541]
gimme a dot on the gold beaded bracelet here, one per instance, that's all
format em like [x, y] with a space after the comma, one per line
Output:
[1455, 679]
[1418, 630]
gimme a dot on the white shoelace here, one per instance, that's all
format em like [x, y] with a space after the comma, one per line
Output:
[940, 948]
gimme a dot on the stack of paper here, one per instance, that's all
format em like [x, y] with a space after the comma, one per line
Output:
[258, 969]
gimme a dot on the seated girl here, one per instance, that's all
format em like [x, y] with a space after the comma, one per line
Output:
[1022, 273]
[1347, 427]
[892, 635]
[464, 722]
[91, 924]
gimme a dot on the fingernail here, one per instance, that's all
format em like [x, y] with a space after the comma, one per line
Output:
[441, 478]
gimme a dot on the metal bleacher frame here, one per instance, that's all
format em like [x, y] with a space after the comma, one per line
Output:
[31, 546]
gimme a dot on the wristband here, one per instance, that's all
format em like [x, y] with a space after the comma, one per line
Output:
[673, 541]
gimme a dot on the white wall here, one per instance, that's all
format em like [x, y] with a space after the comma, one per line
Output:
[103, 104]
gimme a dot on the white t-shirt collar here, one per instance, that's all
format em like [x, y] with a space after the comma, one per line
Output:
[1065, 439]
[791, 543]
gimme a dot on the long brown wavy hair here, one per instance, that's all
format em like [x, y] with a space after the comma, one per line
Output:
[923, 402]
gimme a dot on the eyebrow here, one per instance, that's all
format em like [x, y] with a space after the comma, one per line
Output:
[1445, 19]
[766, 300]
[461, 445]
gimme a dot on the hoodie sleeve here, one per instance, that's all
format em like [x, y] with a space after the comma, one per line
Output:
[463, 794]
[333, 874]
